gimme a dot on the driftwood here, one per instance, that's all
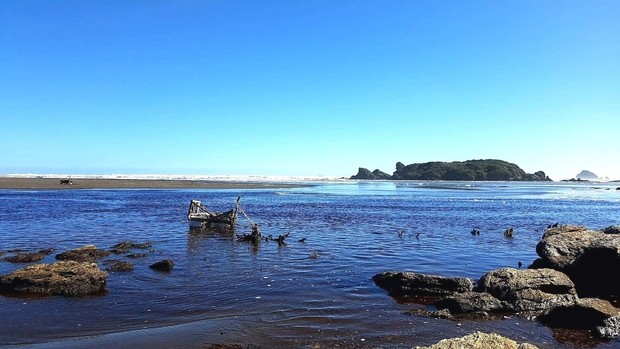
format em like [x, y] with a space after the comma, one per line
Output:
[254, 237]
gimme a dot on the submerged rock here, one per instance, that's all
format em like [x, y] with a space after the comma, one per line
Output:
[116, 265]
[68, 278]
[479, 340]
[88, 253]
[165, 265]
[529, 289]
[590, 258]
[46, 251]
[125, 246]
[411, 284]
[24, 257]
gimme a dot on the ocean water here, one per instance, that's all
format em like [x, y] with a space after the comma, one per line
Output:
[316, 293]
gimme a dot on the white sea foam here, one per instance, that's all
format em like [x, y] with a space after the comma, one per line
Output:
[223, 178]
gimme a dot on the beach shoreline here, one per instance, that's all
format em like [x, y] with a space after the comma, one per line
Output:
[51, 183]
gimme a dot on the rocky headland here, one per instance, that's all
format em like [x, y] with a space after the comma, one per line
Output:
[569, 287]
[470, 170]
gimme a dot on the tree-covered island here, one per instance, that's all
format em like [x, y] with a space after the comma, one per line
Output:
[470, 170]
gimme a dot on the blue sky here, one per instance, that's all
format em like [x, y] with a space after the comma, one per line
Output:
[316, 87]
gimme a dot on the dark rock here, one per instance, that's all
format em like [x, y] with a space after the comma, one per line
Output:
[592, 314]
[470, 302]
[438, 314]
[614, 229]
[116, 265]
[411, 284]
[24, 257]
[68, 278]
[588, 257]
[165, 265]
[127, 245]
[529, 289]
[136, 255]
[88, 253]
[479, 340]
[47, 251]
[364, 173]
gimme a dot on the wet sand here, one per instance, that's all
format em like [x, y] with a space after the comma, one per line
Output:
[90, 183]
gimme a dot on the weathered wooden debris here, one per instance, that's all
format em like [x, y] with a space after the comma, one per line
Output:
[254, 237]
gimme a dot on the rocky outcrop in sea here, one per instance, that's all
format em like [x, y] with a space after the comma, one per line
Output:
[66, 278]
[470, 170]
[575, 265]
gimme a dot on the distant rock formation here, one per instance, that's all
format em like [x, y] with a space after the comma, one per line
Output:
[470, 170]
[586, 175]
[364, 173]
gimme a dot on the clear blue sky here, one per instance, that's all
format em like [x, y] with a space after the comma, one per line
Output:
[316, 87]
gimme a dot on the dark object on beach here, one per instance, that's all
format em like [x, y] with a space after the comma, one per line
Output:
[68, 278]
[116, 265]
[88, 253]
[66, 181]
[614, 229]
[412, 284]
[165, 265]
[24, 257]
[508, 232]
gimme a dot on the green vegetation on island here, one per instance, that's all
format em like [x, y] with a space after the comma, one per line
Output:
[470, 170]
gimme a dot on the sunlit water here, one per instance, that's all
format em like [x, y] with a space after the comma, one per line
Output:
[315, 293]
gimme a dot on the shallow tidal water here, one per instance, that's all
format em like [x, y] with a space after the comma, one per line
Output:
[317, 293]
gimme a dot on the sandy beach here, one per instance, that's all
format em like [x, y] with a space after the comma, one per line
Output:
[90, 183]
